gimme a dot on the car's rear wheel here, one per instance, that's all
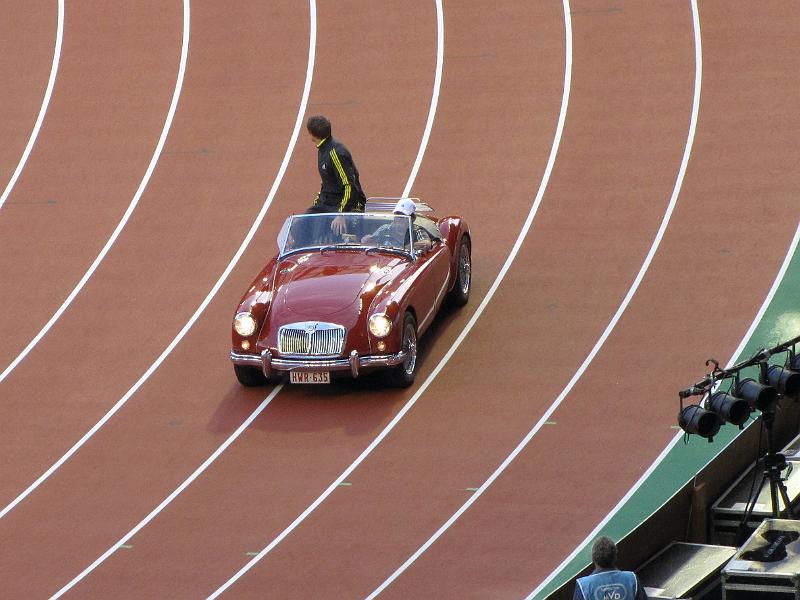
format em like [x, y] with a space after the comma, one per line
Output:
[248, 376]
[403, 374]
[459, 295]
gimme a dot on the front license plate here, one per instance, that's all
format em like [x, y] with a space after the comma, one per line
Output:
[302, 377]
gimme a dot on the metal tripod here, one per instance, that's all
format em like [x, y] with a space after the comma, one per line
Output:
[774, 464]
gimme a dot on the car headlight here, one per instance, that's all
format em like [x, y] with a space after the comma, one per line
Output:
[380, 325]
[244, 323]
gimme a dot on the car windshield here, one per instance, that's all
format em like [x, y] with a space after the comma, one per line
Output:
[346, 230]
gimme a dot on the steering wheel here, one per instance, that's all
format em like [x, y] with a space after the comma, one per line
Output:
[387, 239]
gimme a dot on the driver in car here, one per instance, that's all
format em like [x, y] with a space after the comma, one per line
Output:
[396, 232]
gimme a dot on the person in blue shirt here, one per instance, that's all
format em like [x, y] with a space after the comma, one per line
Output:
[607, 582]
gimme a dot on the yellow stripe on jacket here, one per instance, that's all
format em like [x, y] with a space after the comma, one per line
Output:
[345, 180]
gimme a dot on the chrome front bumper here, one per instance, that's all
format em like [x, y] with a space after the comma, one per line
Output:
[354, 363]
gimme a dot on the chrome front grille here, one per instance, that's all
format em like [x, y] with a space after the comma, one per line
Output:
[311, 338]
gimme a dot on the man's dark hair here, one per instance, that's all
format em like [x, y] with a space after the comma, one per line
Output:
[319, 127]
[604, 552]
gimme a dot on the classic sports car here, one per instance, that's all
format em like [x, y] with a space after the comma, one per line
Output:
[347, 302]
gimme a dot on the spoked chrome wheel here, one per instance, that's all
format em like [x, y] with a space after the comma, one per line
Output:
[464, 269]
[403, 374]
[459, 295]
[410, 348]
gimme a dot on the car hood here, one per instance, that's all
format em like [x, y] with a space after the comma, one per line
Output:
[330, 286]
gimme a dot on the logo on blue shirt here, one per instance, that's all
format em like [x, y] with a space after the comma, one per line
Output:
[612, 591]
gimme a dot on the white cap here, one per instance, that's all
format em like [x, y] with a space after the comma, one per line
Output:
[405, 206]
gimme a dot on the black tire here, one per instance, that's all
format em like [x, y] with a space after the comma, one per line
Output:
[403, 374]
[459, 295]
[249, 376]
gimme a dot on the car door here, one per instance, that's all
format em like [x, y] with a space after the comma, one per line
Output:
[432, 273]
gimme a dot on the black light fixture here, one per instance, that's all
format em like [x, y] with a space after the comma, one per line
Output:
[695, 419]
[730, 409]
[786, 381]
[774, 381]
[758, 396]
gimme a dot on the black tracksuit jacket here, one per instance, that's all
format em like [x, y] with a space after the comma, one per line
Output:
[341, 190]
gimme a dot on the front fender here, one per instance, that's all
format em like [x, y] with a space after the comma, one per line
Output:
[256, 300]
[394, 300]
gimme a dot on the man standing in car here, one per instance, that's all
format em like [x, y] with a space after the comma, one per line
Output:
[341, 189]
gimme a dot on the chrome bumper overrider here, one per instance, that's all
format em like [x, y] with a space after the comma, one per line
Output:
[353, 363]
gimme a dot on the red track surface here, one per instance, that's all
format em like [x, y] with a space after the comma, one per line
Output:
[625, 133]
[25, 67]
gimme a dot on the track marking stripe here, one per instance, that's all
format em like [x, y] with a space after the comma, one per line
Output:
[116, 407]
[437, 86]
[199, 309]
[131, 207]
[199, 471]
[695, 110]
[51, 82]
[661, 457]
[122, 542]
[340, 482]
[601, 341]
[462, 335]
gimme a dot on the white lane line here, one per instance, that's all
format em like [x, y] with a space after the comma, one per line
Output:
[182, 333]
[437, 85]
[142, 185]
[172, 496]
[51, 82]
[642, 480]
[312, 45]
[243, 427]
[601, 341]
[131, 207]
[495, 285]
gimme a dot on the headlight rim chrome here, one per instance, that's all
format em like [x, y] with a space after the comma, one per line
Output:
[380, 325]
[244, 323]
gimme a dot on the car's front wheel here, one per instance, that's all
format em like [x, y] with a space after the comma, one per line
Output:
[403, 374]
[249, 376]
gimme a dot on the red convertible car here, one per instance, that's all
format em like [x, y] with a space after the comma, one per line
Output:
[350, 293]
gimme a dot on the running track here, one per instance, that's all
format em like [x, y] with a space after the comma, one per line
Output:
[564, 132]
